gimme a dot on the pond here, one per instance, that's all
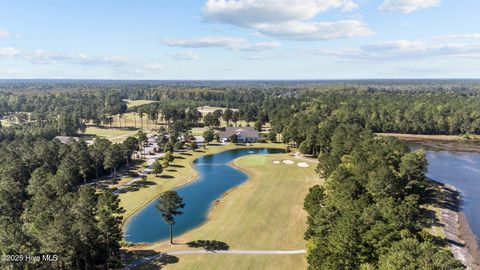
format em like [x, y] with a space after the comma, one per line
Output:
[215, 178]
[461, 170]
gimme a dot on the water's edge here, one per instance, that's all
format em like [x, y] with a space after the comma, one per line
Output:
[193, 181]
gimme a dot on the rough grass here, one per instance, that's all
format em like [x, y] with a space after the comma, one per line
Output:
[265, 213]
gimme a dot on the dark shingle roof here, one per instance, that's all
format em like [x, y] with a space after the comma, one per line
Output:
[240, 131]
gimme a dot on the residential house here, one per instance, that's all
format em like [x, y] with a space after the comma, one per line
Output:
[244, 134]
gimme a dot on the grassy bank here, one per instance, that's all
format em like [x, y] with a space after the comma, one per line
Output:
[179, 173]
[451, 138]
[265, 213]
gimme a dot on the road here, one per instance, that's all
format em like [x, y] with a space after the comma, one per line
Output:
[152, 143]
[141, 261]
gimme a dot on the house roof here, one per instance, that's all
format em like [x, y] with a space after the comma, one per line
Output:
[247, 132]
[66, 139]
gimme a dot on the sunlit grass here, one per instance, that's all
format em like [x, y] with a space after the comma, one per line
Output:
[265, 213]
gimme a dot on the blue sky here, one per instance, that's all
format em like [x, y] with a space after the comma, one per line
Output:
[239, 39]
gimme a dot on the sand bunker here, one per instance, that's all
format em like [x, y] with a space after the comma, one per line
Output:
[276, 162]
[303, 165]
[287, 161]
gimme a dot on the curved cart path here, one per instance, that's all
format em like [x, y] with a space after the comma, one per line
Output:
[141, 261]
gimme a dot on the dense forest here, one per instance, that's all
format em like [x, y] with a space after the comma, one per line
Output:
[44, 210]
[366, 216]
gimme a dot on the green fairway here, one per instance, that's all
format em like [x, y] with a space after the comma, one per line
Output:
[132, 103]
[265, 213]
[113, 134]
[253, 160]
[180, 172]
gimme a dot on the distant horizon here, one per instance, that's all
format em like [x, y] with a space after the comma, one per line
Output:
[236, 80]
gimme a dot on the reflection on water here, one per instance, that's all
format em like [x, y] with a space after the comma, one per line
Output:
[215, 177]
[461, 170]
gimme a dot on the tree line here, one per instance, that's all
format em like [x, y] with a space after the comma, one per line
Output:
[45, 210]
[368, 213]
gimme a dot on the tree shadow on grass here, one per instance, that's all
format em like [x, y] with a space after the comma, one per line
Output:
[179, 157]
[185, 154]
[165, 176]
[138, 185]
[149, 259]
[210, 245]
[161, 261]
[171, 170]
[214, 144]
[176, 166]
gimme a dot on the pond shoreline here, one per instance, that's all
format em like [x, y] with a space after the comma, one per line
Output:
[438, 142]
[185, 186]
[461, 238]
[194, 177]
[458, 233]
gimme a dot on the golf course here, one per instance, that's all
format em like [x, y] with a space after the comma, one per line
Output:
[265, 213]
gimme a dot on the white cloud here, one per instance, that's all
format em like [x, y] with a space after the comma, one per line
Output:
[251, 12]
[407, 6]
[185, 55]
[10, 73]
[236, 44]
[8, 52]
[260, 46]
[4, 33]
[265, 56]
[405, 50]
[287, 19]
[48, 57]
[460, 37]
[316, 31]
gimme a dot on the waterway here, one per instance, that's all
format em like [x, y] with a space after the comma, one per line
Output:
[215, 178]
[461, 170]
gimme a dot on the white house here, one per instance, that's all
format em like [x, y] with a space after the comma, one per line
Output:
[244, 134]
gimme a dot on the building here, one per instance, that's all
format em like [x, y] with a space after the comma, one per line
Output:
[66, 139]
[199, 140]
[244, 134]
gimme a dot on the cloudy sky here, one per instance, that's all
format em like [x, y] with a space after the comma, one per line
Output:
[239, 39]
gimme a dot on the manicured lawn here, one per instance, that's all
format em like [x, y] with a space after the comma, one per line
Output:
[113, 134]
[265, 213]
[253, 160]
[180, 172]
[207, 109]
[199, 131]
[232, 261]
[133, 120]
[133, 103]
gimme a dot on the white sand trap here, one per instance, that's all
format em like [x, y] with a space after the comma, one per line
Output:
[303, 165]
[276, 162]
[287, 161]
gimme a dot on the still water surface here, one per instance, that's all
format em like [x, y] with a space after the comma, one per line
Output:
[215, 178]
[461, 170]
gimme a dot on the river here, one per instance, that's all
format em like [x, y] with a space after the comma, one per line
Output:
[215, 178]
[461, 170]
